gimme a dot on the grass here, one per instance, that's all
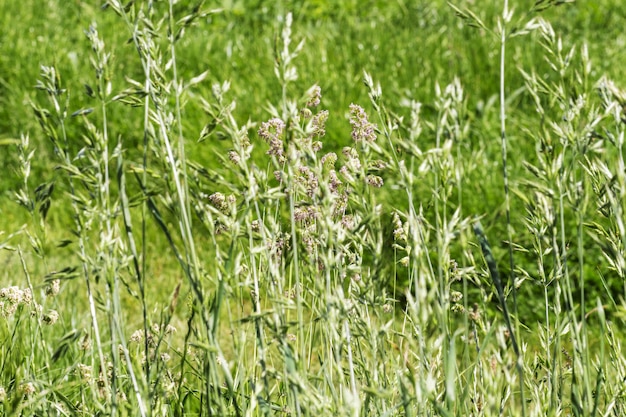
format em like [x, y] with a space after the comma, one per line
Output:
[391, 208]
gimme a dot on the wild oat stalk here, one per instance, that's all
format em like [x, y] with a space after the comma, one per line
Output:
[502, 34]
[51, 84]
[502, 26]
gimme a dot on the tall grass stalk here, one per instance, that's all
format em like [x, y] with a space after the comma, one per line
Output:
[51, 84]
[310, 273]
[503, 26]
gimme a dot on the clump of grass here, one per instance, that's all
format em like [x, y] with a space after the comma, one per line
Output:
[311, 281]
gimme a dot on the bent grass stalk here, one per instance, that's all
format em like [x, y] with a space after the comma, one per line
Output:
[294, 260]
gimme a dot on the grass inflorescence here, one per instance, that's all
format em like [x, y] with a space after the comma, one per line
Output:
[300, 229]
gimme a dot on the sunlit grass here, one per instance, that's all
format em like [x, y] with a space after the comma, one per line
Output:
[264, 210]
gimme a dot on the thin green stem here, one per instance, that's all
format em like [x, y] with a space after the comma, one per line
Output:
[507, 198]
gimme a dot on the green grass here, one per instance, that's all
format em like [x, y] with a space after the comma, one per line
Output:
[351, 279]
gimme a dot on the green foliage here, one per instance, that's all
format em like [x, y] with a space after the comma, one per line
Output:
[276, 207]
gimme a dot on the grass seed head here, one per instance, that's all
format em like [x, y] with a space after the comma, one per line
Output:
[314, 96]
[362, 129]
[53, 288]
[27, 389]
[51, 317]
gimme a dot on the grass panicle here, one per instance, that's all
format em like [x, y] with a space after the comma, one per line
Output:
[233, 212]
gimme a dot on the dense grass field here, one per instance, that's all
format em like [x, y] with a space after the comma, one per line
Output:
[322, 207]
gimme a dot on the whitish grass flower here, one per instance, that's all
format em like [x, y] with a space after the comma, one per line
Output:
[84, 372]
[300, 214]
[219, 201]
[137, 336]
[308, 239]
[362, 129]
[51, 318]
[306, 113]
[27, 296]
[457, 308]
[121, 397]
[85, 344]
[353, 163]
[102, 383]
[318, 123]
[308, 179]
[303, 214]
[315, 96]
[455, 274]
[329, 160]
[7, 309]
[278, 245]
[378, 164]
[3, 394]
[339, 209]
[234, 157]
[27, 389]
[270, 132]
[346, 174]
[317, 146]
[375, 181]
[399, 232]
[334, 183]
[347, 221]
[12, 294]
[474, 315]
[53, 288]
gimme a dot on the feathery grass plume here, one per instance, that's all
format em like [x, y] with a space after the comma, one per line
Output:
[310, 280]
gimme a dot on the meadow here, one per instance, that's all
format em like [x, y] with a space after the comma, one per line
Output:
[320, 207]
